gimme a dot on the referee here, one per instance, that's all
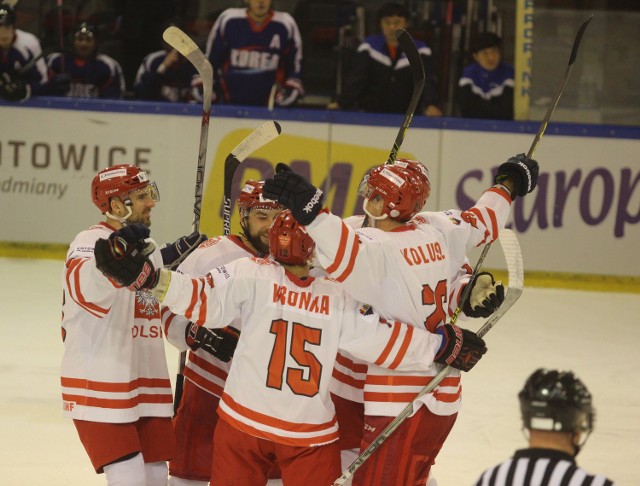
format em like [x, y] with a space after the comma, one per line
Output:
[557, 411]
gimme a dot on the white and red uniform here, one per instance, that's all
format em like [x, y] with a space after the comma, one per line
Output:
[114, 368]
[414, 274]
[278, 387]
[205, 375]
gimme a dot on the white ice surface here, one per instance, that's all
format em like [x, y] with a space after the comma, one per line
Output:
[595, 334]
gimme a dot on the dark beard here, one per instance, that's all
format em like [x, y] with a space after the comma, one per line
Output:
[256, 242]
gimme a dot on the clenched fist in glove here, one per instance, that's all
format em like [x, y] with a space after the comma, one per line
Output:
[485, 297]
[460, 348]
[174, 253]
[295, 193]
[523, 172]
[123, 257]
[220, 343]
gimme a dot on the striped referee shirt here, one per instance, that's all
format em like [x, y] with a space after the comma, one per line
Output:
[540, 467]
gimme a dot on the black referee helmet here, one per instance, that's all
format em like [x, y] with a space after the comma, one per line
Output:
[556, 401]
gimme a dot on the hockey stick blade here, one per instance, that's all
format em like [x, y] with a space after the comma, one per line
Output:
[559, 91]
[261, 136]
[515, 269]
[182, 43]
[417, 71]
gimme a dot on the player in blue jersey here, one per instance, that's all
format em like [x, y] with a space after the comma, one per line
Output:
[252, 50]
[485, 89]
[22, 70]
[85, 73]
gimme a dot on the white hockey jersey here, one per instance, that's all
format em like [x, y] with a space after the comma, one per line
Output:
[201, 368]
[412, 274]
[114, 367]
[278, 386]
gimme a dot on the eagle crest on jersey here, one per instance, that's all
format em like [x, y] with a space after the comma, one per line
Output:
[146, 305]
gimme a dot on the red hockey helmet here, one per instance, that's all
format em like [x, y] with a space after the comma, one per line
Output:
[404, 187]
[119, 181]
[250, 197]
[288, 241]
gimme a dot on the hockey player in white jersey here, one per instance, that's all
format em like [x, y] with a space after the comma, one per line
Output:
[115, 382]
[276, 404]
[406, 263]
[210, 351]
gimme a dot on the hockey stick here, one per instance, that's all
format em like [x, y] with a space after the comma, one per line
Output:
[536, 140]
[513, 257]
[417, 71]
[261, 136]
[182, 43]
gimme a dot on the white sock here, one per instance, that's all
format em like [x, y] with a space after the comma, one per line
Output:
[157, 473]
[126, 473]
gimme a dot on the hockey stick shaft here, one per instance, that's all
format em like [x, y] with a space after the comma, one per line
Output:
[558, 94]
[182, 43]
[261, 136]
[417, 71]
[513, 257]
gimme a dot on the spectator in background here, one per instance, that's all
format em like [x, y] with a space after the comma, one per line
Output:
[380, 79]
[252, 50]
[557, 411]
[23, 72]
[485, 89]
[165, 75]
[85, 73]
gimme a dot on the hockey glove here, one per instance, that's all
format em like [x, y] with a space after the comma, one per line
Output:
[60, 84]
[522, 171]
[123, 257]
[295, 193]
[174, 253]
[220, 343]
[14, 88]
[485, 297]
[289, 94]
[460, 348]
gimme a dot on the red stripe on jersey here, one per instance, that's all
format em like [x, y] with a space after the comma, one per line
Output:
[272, 421]
[342, 246]
[122, 387]
[403, 380]
[194, 299]
[352, 260]
[290, 441]
[118, 404]
[164, 311]
[207, 366]
[389, 397]
[348, 380]
[353, 366]
[476, 212]
[73, 284]
[403, 347]
[500, 193]
[202, 317]
[447, 397]
[387, 349]
[203, 383]
[494, 223]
